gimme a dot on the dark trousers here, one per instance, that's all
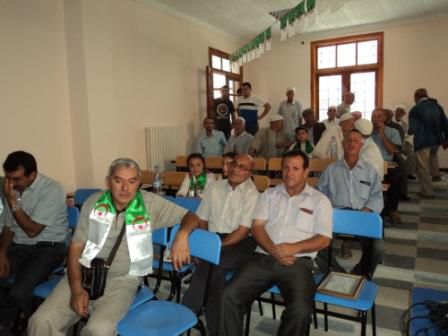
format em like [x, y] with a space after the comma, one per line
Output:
[252, 129]
[393, 194]
[372, 255]
[231, 258]
[30, 265]
[257, 275]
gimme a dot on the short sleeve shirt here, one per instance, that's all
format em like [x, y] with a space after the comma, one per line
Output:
[393, 135]
[294, 219]
[163, 214]
[248, 109]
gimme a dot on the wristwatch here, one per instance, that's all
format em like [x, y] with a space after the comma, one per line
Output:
[15, 207]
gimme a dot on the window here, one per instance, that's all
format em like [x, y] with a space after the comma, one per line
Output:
[221, 72]
[353, 64]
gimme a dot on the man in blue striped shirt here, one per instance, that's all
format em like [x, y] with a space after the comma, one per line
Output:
[352, 183]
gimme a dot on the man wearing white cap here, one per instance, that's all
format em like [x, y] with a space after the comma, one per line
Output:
[270, 142]
[331, 120]
[370, 152]
[291, 111]
[322, 149]
[239, 142]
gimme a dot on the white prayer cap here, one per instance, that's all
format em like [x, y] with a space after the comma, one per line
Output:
[399, 106]
[345, 116]
[364, 126]
[290, 89]
[276, 117]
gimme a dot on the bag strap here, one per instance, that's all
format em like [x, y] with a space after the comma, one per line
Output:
[113, 252]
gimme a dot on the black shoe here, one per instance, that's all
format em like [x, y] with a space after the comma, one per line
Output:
[436, 178]
[424, 196]
[412, 177]
[404, 198]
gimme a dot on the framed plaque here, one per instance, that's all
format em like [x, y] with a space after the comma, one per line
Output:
[343, 285]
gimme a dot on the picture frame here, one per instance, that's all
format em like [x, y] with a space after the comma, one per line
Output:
[343, 285]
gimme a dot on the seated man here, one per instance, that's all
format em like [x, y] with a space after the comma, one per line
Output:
[389, 143]
[315, 129]
[240, 140]
[352, 183]
[226, 209]
[103, 217]
[212, 142]
[290, 223]
[227, 163]
[331, 120]
[302, 142]
[32, 241]
[270, 142]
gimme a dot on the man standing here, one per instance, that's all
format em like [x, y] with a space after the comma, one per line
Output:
[226, 208]
[291, 111]
[223, 112]
[240, 140]
[429, 125]
[32, 241]
[331, 120]
[408, 145]
[346, 105]
[122, 210]
[354, 184]
[315, 129]
[270, 142]
[291, 222]
[212, 142]
[248, 107]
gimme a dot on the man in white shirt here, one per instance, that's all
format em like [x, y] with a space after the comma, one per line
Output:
[239, 142]
[291, 111]
[291, 222]
[226, 209]
[248, 107]
[346, 105]
[331, 120]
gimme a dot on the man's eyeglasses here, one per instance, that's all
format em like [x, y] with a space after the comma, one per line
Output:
[240, 166]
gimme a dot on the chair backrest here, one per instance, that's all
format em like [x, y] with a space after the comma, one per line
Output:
[160, 236]
[173, 179]
[312, 181]
[214, 162]
[181, 163]
[203, 244]
[82, 194]
[319, 165]
[357, 223]
[275, 164]
[262, 182]
[147, 176]
[260, 164]
[189, 203]
[72, 216]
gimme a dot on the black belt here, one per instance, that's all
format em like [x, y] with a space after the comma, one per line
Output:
[49, 244]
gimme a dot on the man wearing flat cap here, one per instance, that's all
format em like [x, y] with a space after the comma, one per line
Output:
[271, 141]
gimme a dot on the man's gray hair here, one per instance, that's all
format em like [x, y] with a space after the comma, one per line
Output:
[123, 162]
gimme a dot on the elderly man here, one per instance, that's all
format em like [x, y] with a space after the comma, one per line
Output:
[331, 120]
[223, 112]
[291, 111]
[270, 142]
[315, 129]
[429, 125]
[226, 209]
[352, 183]
[291, 222]
[370, 152]
[121, 212]
[248, 107]
[240, 140]
[212, 142]
[408, 145]
[389, 142]
[33, 231]
[322, 149]
[346, 105]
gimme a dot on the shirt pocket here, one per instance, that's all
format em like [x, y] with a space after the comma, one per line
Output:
[304, 219]
[364, 190]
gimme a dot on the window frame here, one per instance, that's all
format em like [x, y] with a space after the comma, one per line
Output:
[345, 71]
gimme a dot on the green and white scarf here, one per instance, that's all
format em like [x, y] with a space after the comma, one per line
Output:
[138, 232]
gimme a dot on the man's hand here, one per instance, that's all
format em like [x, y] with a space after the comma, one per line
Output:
[180, 251]
[79, 302]
[287, 261]
[284, 253]
[9, 192]
[4, 265]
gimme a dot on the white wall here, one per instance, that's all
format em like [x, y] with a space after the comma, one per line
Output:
[415, 55]
[81, 79]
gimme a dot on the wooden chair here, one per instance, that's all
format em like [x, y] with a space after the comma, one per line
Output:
[181, 163]
[262, 182]
[317, 166]
[214, 163]
[172, 180]
[274, 170]
[312, 181]
[260, 164]
[147, 178]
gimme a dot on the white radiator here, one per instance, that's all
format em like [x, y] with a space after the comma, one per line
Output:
[163, 144]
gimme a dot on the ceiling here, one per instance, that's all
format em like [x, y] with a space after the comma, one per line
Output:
[247, 18]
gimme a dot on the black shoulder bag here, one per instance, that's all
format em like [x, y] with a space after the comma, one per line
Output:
[94, 278]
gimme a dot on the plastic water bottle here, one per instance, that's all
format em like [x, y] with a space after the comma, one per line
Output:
[157, 184]
[333, 148]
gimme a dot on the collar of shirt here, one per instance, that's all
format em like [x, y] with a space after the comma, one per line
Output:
[209, 136]
[240, 187]
[307, 190]
[360, 164]
[35, 183]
